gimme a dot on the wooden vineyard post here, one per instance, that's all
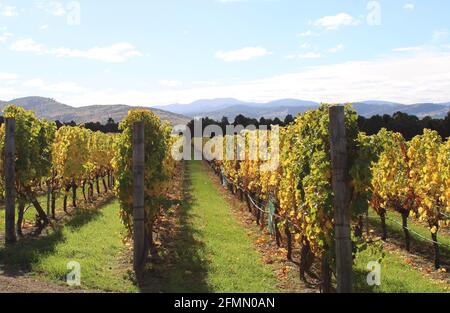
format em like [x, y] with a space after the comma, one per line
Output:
[339, 167]
[10, 207]
[140, 250]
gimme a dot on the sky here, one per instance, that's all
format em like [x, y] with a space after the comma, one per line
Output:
[157, 52]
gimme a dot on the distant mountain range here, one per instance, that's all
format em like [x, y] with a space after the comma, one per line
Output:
[53, 110]
[215, 109]
[229, 107]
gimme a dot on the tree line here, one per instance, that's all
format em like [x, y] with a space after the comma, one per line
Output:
[407, 125]
[110, 127]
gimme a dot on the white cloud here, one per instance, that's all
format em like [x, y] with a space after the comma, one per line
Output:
[4, 37]
[409, 6]
[34, 83]
[170, 83]
[8, 93]
[43, 27]
[336, 21]
[408, 49]
[337, 48]
[8, 11]
[55, 8]
[8, 76]
[408, 78]
[65, 87]
[27, 45]
[243, 54]
[116, 53]
[438, 42]
[412, 79]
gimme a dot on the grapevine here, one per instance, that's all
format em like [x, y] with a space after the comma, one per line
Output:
[158, 167]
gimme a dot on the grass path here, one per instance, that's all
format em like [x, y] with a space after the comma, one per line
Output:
[92, 238]
[235, 266]
[213, 252]
[209, 251]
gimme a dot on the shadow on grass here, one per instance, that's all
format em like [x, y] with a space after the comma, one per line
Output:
[181, 269]
[18, 259]
[419, 245]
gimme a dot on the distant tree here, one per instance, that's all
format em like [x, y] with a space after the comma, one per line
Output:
[225, 121]
[408, 125]
[111, 126]
[277, 121]
[288, 119]
[263, 121]
[446, 126]
[242, 120]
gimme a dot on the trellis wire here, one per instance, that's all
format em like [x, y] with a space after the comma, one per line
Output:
[417, 234]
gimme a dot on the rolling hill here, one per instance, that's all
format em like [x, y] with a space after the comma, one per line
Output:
[215, 109]
[199, 106]
[229, 107]
[53, 110]
[257, 112]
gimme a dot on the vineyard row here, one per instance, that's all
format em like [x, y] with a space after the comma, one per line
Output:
[385, 172]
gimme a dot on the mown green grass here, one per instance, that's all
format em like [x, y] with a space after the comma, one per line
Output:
[215, 254]
[214, 251]
[396, 275]
[92, 238]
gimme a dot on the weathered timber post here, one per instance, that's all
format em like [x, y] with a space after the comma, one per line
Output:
[140, 252]
[339, 167]
[10, 208]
